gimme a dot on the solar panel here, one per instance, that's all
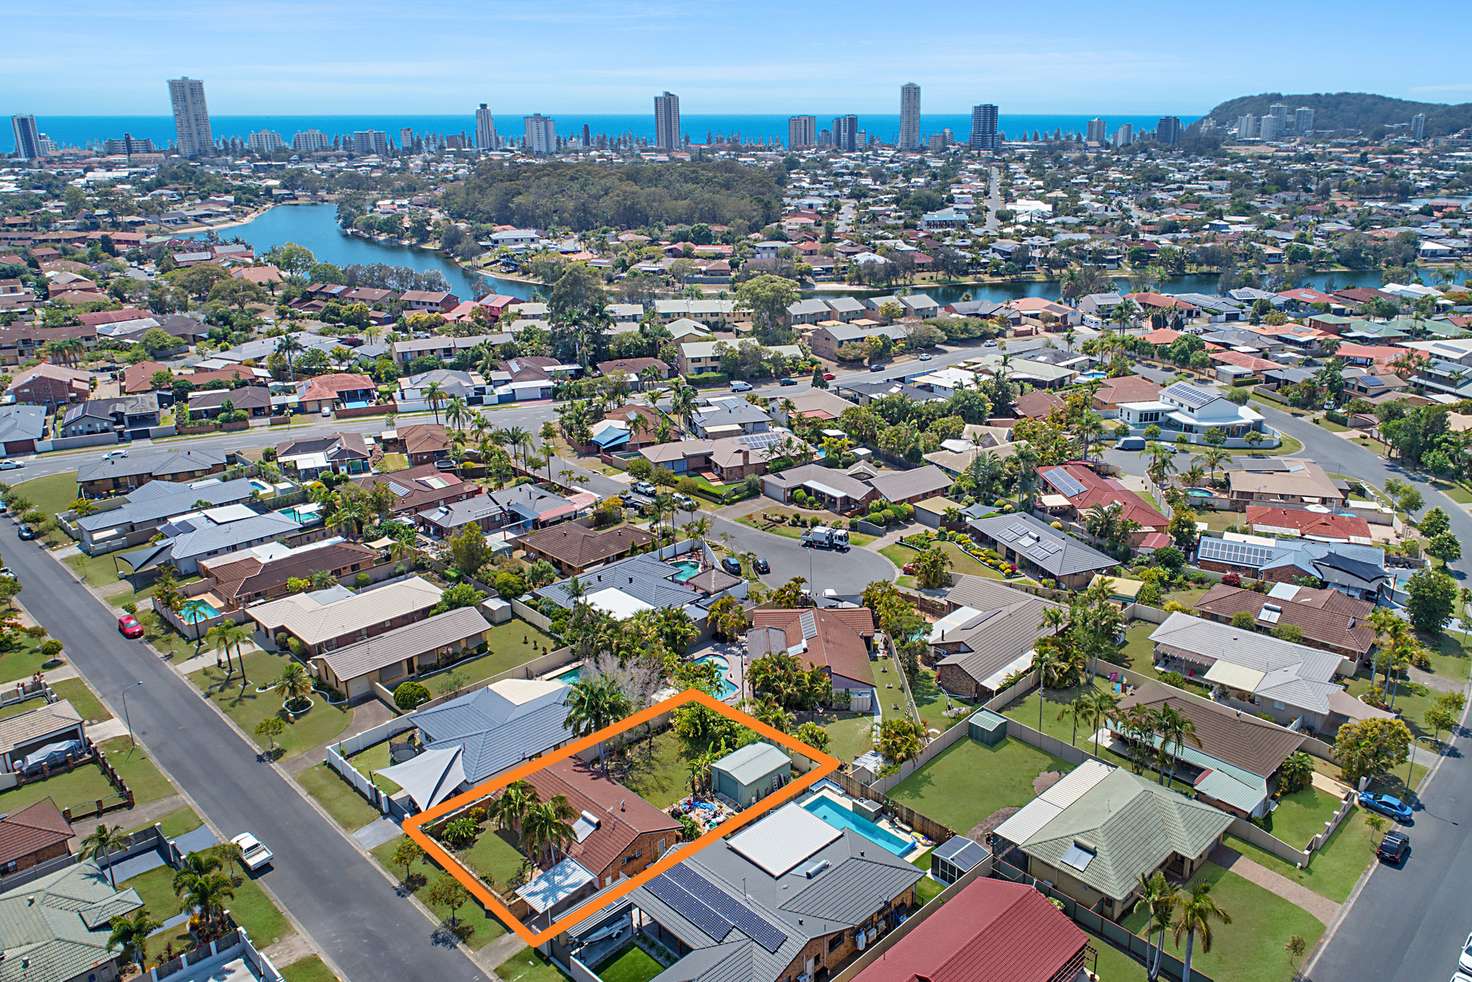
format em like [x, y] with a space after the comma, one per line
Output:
[681, 902]
[1067, 485]
[724, 905]
[809, 622]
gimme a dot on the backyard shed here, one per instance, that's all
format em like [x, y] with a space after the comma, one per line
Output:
[747, 775]
[956, 857]
[987, 726]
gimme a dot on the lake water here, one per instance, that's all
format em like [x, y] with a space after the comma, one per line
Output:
[315, 226]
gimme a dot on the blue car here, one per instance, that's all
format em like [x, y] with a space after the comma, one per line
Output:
[1386, 805]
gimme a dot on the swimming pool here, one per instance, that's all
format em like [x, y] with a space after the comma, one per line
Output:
[194, 611]
[1199, 493]
[570, 676]
[727, 688]
[840, 817]
[688, 568]
[301, 515]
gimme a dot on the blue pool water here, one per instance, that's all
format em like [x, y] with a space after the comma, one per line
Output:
[198, 610]
[727, 688]
[841, 818]
[570, 676]
[300, 516]
[687, 569]
[1198, 493]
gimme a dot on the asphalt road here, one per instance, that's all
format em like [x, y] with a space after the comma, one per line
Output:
[846, 574]
[342, 901]
[1408, 923]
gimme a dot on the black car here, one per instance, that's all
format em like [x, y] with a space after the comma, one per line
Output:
[1394, 846]
[761, 566]
[26, 533]
[731, 565]
[876, 368]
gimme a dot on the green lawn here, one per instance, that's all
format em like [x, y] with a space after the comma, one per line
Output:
[311, 969]
[927, 890]
[494, 858]
[347, 808]
[1060, 726]
[931, 700]
[156, 889]
[1250, 949]
[24, 660]
[850, 736]
[1140, 652]
[99, 572]
[24, 706]
[137, 771]
[969, 781]
[393, 462]
[659, 771]
[1332, 871]
[511, 644]
[175, 823]
[82, 698]
[1301, 815]
[1451, 656]
[633, 965]
[482, 928]
[961, 561]
[1412, 699]
[374, 758]
[1457, 493]
[249, 905]
[527, 965]
[247, 707]
[1186, 598]
[50, 494]
[77, 788]
[758, 521]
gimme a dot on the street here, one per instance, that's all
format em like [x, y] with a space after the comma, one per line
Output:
[348, 907]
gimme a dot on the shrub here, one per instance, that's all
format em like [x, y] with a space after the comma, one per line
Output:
[460, 833]
[1232, 579]
[362, 580]
[1173, 678]
[51, 648]
[410, 695]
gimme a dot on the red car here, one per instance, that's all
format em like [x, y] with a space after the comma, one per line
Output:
[829, 376]
[129, 627]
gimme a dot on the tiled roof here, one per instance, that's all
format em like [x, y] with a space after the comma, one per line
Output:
[1349, 631]
[1230, 735]
[622, 815]
[835, 639]
[33, 828]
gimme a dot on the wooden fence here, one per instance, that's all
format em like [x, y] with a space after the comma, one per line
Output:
[926, 826]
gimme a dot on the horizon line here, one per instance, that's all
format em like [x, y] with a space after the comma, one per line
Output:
[471, 113]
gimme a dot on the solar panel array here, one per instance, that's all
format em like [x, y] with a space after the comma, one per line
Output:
[1237, 553]
[763, 441]
[1067, 485]
[809, 622]
[711, 909]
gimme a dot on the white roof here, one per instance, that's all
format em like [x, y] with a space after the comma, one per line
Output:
[430, 777]
[1234, 676]
[994, 680]
[1048, 805]
[779, 842]
[617, 604]
[555, 885]
[225, 514]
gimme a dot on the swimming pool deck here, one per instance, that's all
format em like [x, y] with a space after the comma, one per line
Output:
[841, 798]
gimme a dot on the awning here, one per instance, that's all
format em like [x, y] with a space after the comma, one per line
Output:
[555, 885]
[1234, 676]
[430, 777]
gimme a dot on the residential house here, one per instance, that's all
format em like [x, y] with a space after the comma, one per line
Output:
[991, 929]
[326, 620]
[253, 400]
[400, 654]
[444, 520]
[21, 428]
[827, 338]
[986, 635]
[420, 488]
[786, 897]
[441, 347]
[635, 370]
[1322, 526]
[574, 548]
[1040, 550]
[649, 581]
[729, 417]
[1321, 617]
[1075, 490]
[132, 417]
[1356, 570]
[132, 469]
[429, 301]
[413, 393]
[336, 390]
[32, 835]
[59, 927]
[1290, 683]
[837, 641]
[265, 572]
[420, 443]
[837, 490]
[186, 540]
[476, 736]
[910, 486]
[50, 386]
[1284, 482]
[335, 453]
[1100, 830]
[144, 511]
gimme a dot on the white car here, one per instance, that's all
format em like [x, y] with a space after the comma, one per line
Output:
[255, 852]
[1464, 962]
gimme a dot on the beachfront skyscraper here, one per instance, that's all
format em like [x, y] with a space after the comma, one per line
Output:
[540, 133]
[846, 132]
[1124, 135]
[310, 141]
[1418, 126]
[909, 116]
[485, 129]
[984, 135]
[192, 135]
[27, 137]
[1303, 120]
[1098, 131]
[667, 121]
[802, 132]
[1168, 130]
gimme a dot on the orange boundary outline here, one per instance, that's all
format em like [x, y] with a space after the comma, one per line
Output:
[825, 764]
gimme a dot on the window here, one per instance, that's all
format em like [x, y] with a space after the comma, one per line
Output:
[835, 942]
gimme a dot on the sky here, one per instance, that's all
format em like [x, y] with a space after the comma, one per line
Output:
[589, 56]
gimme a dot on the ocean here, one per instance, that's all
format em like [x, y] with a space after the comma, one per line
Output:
[83, 131]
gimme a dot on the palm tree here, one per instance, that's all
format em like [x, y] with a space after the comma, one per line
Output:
[1158, 899]
[593, 704]
[1197, 911]
[222, 644]
[103, 842]
[457, 411]
[1214, 458]
[510, 809]
[548, 826]
[295, 684]
[207, 894]
[130, 936]
[289, 345]
[519, 441]
[434, 394]
[349, 513]
[1042, 660]
[1175, 729]
[549, 432]
[1094, 709]
[1162, 463]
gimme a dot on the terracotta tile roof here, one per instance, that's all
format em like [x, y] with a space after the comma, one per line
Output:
[251, 577]
[622, 815]
[421, 438]
[579, 546]
[992, 930]
[31, 829]
[330, 386]
[834, 639]
[1311, 524]
[1342, 630]
[1101, 492]
[1127, 388]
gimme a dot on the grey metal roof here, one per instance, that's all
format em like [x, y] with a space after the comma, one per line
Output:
[158, 463]
[22, 423]
[494, 732]
[158, 500]
[644, 577]
[419, 638]
[961, 853]
[1056, 552]
[1006, 625]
